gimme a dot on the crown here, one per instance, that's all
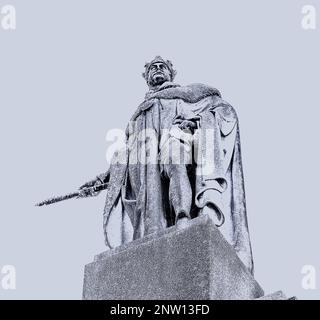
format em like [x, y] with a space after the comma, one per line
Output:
[168, 63]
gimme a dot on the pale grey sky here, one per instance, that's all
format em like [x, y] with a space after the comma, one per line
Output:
[71, 71]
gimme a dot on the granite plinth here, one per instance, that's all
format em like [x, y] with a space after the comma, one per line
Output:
[195, 262]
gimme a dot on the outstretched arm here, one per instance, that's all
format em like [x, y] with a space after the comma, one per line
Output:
[102, 178]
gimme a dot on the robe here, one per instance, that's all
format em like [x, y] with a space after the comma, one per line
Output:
[135, 175]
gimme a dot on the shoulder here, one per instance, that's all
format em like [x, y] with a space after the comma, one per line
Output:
[225, 109]
[226, 115]
[201, 90]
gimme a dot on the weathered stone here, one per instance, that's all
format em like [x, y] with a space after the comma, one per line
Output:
[192, 263]
[278, 295]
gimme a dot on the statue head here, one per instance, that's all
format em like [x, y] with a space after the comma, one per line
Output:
[158, 71]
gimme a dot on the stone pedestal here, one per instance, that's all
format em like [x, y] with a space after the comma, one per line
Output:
[192, 263]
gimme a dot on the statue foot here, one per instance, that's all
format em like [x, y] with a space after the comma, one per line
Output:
[182, 223]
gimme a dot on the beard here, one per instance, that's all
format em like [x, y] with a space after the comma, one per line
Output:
[158, 79]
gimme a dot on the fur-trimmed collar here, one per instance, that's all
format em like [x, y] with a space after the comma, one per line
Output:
[191, 93]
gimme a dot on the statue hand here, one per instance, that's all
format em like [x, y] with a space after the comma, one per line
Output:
[186, 124]
[86, 190]
[88, 184]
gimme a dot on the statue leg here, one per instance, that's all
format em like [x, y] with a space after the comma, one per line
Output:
[175, 155]
[180, 192]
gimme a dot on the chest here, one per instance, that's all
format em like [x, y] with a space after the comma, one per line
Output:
[169, 109]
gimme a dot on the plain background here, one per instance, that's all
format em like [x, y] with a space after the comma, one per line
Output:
[71, 71]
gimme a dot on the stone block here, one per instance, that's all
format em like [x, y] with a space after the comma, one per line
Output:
[195, 262]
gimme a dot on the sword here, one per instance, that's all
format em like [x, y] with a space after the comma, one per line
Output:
[86, 192]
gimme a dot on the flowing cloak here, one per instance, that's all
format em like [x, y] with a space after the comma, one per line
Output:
[135, 177]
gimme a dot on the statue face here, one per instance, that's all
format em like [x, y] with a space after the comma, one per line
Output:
[158, 74]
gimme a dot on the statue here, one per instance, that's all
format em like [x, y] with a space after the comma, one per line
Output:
[181, 159]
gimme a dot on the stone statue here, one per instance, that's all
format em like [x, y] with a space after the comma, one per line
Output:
[182, 159]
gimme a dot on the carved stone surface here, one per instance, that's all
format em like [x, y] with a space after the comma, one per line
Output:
[278, 295]
[195, 262]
